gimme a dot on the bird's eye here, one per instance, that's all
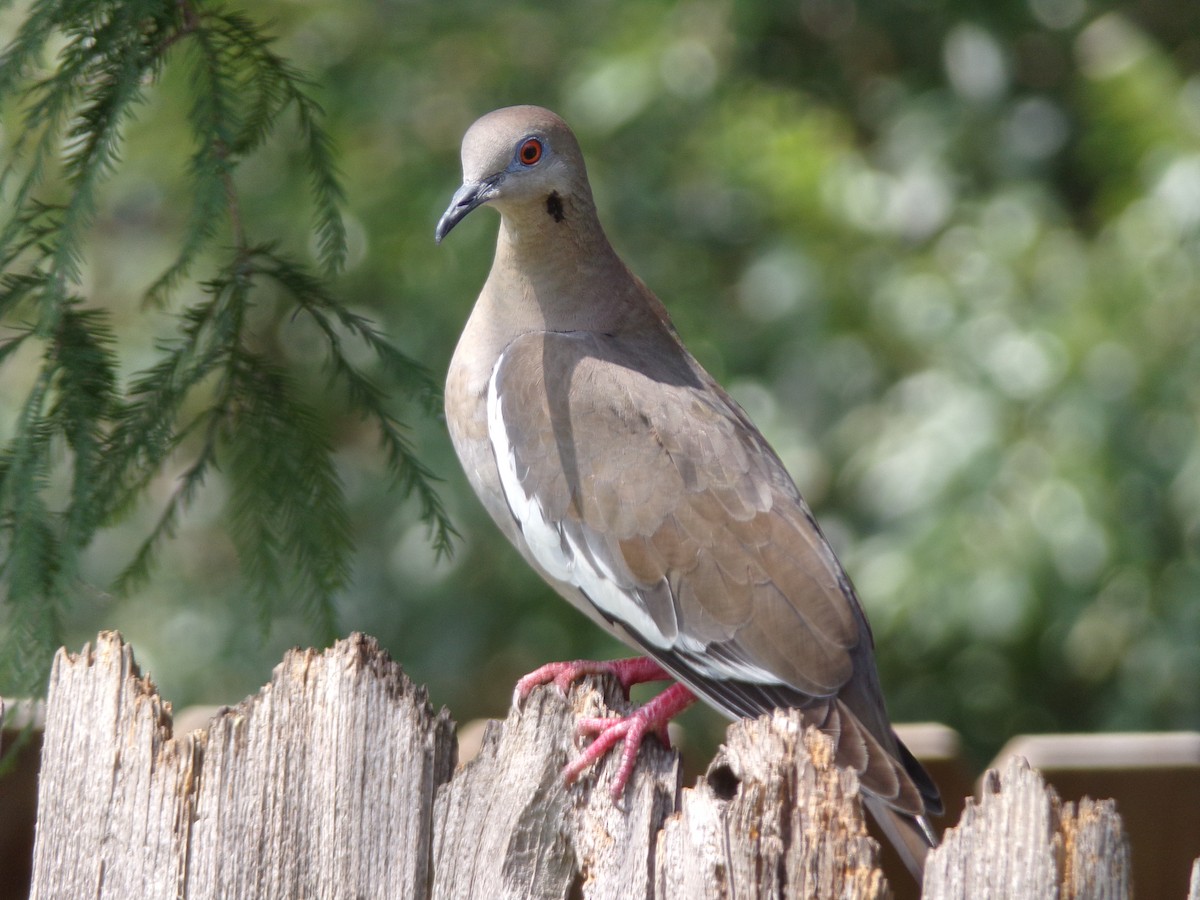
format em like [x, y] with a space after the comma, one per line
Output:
[530, 152]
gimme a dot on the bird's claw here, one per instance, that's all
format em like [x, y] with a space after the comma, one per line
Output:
[652, 718]
[562, 675]
[608, 731]
[559, 674]
[631, 730]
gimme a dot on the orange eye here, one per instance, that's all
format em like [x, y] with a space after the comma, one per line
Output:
[530, 152]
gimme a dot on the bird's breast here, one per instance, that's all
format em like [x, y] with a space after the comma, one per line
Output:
[466, 421]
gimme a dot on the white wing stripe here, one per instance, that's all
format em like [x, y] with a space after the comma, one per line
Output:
[554, 550]
[565, 560]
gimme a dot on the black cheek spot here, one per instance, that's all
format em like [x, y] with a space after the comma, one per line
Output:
[554, 206]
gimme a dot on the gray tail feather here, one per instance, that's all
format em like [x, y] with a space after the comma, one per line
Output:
[910, 835]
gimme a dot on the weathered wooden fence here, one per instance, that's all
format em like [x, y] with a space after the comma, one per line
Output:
[338, 780]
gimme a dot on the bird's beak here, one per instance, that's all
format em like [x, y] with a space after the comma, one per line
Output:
[465, 199]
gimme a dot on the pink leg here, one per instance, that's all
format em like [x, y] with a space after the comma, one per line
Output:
[562, 675]
[650, 718]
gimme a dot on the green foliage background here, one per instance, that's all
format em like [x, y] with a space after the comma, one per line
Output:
[946, 254]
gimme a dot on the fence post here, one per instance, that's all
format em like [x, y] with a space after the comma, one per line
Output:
[337, 780]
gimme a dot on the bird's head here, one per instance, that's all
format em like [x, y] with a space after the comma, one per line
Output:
[519, 158]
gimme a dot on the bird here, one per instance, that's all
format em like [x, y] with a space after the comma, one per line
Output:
[630, 480]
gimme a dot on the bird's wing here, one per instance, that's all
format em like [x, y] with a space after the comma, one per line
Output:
[636, 480]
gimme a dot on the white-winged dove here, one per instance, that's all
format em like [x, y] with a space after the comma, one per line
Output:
[641, 491]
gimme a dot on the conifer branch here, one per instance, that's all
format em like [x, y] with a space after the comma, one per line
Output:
[409, 474]
[287, 512]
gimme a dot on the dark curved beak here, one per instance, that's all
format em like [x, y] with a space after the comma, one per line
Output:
[465, 199]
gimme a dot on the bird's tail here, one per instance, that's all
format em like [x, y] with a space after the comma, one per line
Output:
[910, 835]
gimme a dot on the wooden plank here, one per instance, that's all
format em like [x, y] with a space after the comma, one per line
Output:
[1096, 858]
[321, 784]
[1019, 840]
[318, 786]
[1146, 774]
[114, 804]
[507, 825]
[773, 818]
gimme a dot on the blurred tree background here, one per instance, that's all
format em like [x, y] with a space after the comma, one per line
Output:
[947, 254]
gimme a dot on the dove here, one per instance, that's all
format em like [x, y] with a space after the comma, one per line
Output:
[630, 480]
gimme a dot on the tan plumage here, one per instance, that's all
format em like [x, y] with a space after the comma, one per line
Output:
[635, 485]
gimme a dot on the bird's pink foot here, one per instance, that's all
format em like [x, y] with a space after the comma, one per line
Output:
[652, 718]
[563, 674]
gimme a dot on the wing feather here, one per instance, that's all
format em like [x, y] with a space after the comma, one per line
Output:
[642, 490]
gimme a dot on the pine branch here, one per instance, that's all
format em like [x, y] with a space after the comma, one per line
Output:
[97, 84]
[144, 432]
[29, 563]
[244, 88]
[86, 397]
[11, 346]
[287, 511]
[18, 57]
[137, 572]
[31, 560]
[409, 474]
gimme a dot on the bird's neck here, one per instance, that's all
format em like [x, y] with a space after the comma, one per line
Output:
[536, 234]
[555, 270]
